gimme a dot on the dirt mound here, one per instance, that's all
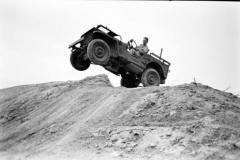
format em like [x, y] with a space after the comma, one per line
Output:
[90, 119]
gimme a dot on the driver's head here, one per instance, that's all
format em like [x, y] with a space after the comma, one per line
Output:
[145, 40]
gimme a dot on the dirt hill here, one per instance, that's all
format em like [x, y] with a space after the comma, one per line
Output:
[91, 119]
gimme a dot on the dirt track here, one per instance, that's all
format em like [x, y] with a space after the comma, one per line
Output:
[90, 119]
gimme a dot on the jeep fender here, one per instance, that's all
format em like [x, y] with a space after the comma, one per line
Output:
[159, 68]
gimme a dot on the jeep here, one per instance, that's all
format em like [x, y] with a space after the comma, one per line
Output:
[101, 46]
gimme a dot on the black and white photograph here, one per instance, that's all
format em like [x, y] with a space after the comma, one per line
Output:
[119, 80]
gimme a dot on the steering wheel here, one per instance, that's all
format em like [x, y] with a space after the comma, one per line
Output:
[130, 44]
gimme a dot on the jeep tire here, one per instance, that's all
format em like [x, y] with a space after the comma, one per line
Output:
[128, 83]
[77, 61]
[150, 77]
[98, 52]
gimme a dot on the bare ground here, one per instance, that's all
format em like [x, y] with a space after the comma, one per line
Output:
[91, 120]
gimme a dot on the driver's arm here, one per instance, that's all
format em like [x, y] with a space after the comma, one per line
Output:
[140, 48]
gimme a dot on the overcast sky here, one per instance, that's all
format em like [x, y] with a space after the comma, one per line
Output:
[200, 39]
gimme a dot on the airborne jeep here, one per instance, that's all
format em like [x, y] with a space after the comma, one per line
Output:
[103, 47]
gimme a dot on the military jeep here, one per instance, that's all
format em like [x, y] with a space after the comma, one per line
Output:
[101, 46]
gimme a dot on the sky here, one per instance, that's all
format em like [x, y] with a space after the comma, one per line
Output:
[200, 39]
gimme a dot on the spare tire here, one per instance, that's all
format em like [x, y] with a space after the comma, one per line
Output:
[150, 77]
[77, 61]
[98, 52]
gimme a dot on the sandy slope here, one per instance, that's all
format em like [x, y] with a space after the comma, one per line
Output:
[90, 119]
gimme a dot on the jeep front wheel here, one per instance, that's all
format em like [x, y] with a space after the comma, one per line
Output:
[98, 52]
[78, 61]
[150, 77]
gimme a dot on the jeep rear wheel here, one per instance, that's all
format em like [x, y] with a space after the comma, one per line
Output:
[150, 77]
[78, 62]
[129, 81]
[98, 52]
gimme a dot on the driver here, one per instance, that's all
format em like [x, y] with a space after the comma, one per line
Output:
[141, 49]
